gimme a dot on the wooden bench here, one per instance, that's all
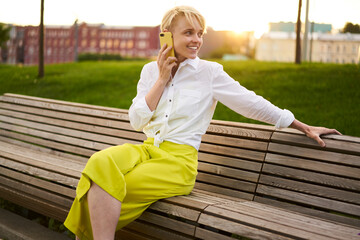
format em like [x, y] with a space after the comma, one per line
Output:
[253, 181]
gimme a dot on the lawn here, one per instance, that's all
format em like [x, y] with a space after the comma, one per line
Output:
[318, 94]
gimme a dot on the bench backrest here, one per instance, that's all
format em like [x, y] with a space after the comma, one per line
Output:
[301, 176]
[230, 156]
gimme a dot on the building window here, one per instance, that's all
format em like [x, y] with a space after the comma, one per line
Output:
[130, 44]
[83, 43]
[102, 43]
[123, 44]
[142, 44]
[142, 35]
[109, 43]
[116, 43]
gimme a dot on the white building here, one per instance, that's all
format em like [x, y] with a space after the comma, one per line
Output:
[323, 47]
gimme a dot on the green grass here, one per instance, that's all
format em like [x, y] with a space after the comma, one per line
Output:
[318, 94]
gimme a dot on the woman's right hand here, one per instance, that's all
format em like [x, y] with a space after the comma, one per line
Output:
[165, 64]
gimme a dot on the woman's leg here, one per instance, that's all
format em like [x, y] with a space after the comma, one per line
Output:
[104, 213]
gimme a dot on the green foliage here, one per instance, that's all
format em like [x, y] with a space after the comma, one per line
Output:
[351, 28]
[317, 93]
[4, 34]
[104, 57]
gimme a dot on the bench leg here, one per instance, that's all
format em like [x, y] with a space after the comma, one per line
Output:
[104, 212]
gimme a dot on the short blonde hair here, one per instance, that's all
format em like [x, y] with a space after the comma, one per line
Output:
[170, 16]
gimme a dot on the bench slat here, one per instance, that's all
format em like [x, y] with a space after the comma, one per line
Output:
[320, 155]
[329, 193]
[331, 145]
[320, 202]
[49, 143]
[39, 183]
[329, 168]
[314, 177]
[255, 214]
[230, 162]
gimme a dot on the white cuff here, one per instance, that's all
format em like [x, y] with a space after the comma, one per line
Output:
[285, 120]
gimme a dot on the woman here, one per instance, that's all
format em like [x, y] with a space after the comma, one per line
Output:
[176, 99]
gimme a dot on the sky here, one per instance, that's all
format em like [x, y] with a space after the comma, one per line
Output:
[234, 15]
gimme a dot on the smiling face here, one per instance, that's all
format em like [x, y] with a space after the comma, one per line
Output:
[188, 38]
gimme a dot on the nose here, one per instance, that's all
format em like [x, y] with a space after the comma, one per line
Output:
[196, 38]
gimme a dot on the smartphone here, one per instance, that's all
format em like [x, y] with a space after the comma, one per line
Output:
[166, 37]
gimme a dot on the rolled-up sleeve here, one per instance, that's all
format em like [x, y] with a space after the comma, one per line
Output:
[139, 112]
[247, 103]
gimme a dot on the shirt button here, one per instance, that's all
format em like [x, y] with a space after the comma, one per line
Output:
[169, 100]
[166, 115]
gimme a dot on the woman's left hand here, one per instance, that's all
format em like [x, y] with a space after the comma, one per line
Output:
[314, 132]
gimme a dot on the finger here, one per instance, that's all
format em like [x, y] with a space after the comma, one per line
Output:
[319, 141]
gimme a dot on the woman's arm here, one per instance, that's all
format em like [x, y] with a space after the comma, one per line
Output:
[165, 65]
[313, 132]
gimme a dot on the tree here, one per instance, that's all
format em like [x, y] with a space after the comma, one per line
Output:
[41, 42]
[351, 28]
[4, 34]
[298, 30]
[4, 37]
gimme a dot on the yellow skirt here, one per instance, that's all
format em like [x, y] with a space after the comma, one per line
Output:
[137, 176]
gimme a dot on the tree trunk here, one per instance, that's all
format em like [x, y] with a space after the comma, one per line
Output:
[298, 30]
[41, 42]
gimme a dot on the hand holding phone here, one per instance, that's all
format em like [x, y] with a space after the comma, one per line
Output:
[166, 37]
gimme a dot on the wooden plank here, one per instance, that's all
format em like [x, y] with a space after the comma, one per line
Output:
[239, 131]
[211, 235]
[230, 162]
[35, 171]
[84, 109]
[234, 142]
[128, 234]
[37, 182]
[309, 211]
[221, 181]
[331, 145]
[69, 157]
[68, 116]
[73, 150]
[321, 155]
[156, 232]
[62, 102]
[261, 127]
[309, 200]
[339, 170]
[232, 152]
[175, 210]
[168, 223]
[223, 191]
[315, 177]
[33, 204]
[8, 116]
[326, 192]
[228, 172]
[239, 228]
[46, 196]
[101, 138]
[58, 137]
[277, 220]
[291, 219]
[43, 161]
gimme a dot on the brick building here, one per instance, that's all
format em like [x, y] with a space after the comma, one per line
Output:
[63, 43]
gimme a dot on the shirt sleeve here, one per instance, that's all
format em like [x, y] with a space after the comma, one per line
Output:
[139, 112]
[230, 93]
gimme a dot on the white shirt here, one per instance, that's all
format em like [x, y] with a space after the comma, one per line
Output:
[188, 103]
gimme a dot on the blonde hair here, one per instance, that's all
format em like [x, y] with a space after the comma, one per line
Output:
[170, 16]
